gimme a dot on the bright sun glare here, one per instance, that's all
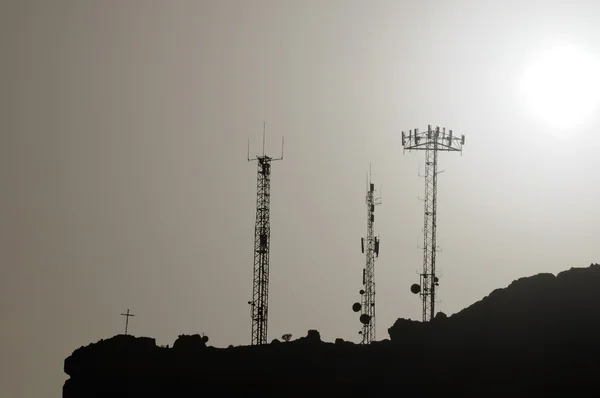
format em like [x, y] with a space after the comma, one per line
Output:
[561, 87]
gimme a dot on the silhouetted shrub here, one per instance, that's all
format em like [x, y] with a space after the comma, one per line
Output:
[440, 316]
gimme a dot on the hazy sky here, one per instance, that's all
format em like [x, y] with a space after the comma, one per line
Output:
[125, 182]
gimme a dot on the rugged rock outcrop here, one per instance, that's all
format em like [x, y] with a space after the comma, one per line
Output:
[539, 335]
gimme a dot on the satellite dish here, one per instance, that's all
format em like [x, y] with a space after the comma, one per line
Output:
[365, 319]
[205, 339]
[361, 291]
[436, 279]
[415, 288]
[356, 307]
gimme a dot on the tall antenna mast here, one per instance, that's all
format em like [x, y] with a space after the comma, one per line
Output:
[369, 246]
[262, 237]
[432, 141]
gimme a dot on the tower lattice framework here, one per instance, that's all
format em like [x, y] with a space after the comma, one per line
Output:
[262, 245]
[432, 142]
[370, 247]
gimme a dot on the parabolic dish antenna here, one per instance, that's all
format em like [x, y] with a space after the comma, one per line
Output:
[365, 319]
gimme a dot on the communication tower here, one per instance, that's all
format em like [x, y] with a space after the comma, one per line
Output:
[431, 141]
[369, 246]
[259, 305]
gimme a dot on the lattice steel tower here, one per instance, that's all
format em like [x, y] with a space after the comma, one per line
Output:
[432, 141]
[369, 246]
[262, 237]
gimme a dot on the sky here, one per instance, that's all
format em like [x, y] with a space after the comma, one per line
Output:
[125, 181]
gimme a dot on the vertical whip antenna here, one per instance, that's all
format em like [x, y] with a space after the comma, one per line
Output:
[264, 132]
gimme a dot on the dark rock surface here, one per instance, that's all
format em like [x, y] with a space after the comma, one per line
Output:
[539, 336]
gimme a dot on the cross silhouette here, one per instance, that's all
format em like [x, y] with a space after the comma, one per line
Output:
[127, 315]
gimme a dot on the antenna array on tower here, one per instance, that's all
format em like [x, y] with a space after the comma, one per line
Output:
[431, 141]
[262, 237]
[369, 246]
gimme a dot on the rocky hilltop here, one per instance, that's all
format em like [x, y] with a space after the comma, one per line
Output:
[539, 335]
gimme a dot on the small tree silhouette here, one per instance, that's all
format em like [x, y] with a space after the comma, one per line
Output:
[286, 337]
